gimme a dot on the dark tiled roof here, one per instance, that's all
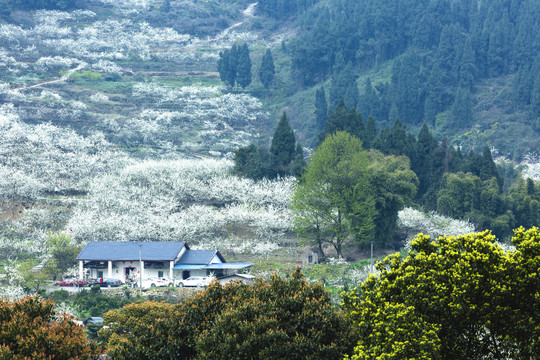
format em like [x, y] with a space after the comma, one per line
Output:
[198, 257]
[116, 250]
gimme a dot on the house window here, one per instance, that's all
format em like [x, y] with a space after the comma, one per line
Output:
[160, 274]
[310, 259]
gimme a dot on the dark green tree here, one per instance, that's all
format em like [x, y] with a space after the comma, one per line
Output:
[283, 148]
[462, 109]
[370, 133]
[321, 109]
[342, 119]
[395, 186]
[535, 97]
[267, 69]
[243, 66]
[227, 65]
[467, 68]
[253, 162]
[488, 168]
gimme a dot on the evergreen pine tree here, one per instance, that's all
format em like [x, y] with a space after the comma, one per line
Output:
[422, 162]
[227, 65]
[535, 97]
[283, 147]
[467, 68]
[351, 96]
[488, 169]
[243, 67]
[267, 70]
[342, 119]
[369, 103]
[393, 113]
[462, 112]
[371, 132]
[321, 109]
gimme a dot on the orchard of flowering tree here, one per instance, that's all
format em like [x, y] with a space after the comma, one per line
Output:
[221, 124]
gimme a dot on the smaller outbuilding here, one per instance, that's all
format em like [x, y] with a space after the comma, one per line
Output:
[245, 278]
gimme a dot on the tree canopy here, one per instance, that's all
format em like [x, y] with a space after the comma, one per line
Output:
[30, 328]
[452, 298]
[334, 200]
[282, 318]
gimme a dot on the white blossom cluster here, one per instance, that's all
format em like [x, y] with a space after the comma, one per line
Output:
[221, 121]
[187, 200]
[35, 158]
[532, 169]
[413, 222]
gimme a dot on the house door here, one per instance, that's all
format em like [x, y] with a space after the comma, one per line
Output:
[129, 274]
[185, 274]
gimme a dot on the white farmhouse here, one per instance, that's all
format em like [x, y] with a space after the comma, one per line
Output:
[172, 260]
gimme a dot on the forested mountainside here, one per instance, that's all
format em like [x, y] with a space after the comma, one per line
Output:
[469, 69]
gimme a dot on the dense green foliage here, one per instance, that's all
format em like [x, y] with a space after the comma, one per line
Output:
[462, 186]
[267, 69]
[234, 66]
[30, 328]
[452, 298]
[334, 202]
[94, 303]
[285, 318]
[63, 254]
[285, 157]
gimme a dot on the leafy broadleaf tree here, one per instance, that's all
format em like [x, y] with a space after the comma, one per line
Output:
[30, 328]
[284, 318]
[452, 298]
[334, 201]
[395, 186]
[63, 254]
[267, 69]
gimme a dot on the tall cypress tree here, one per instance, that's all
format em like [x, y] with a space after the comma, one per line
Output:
[467, 69]
[283, 148]
[243, 67]
[267, 70]
[227, 65]
[371, 132]
[321, 109]
[462, 111]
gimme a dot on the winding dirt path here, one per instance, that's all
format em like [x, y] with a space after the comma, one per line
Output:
[63, 78]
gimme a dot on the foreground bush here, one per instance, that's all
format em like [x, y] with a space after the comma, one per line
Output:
[286, 318]
[31, 329]
[452, 298]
